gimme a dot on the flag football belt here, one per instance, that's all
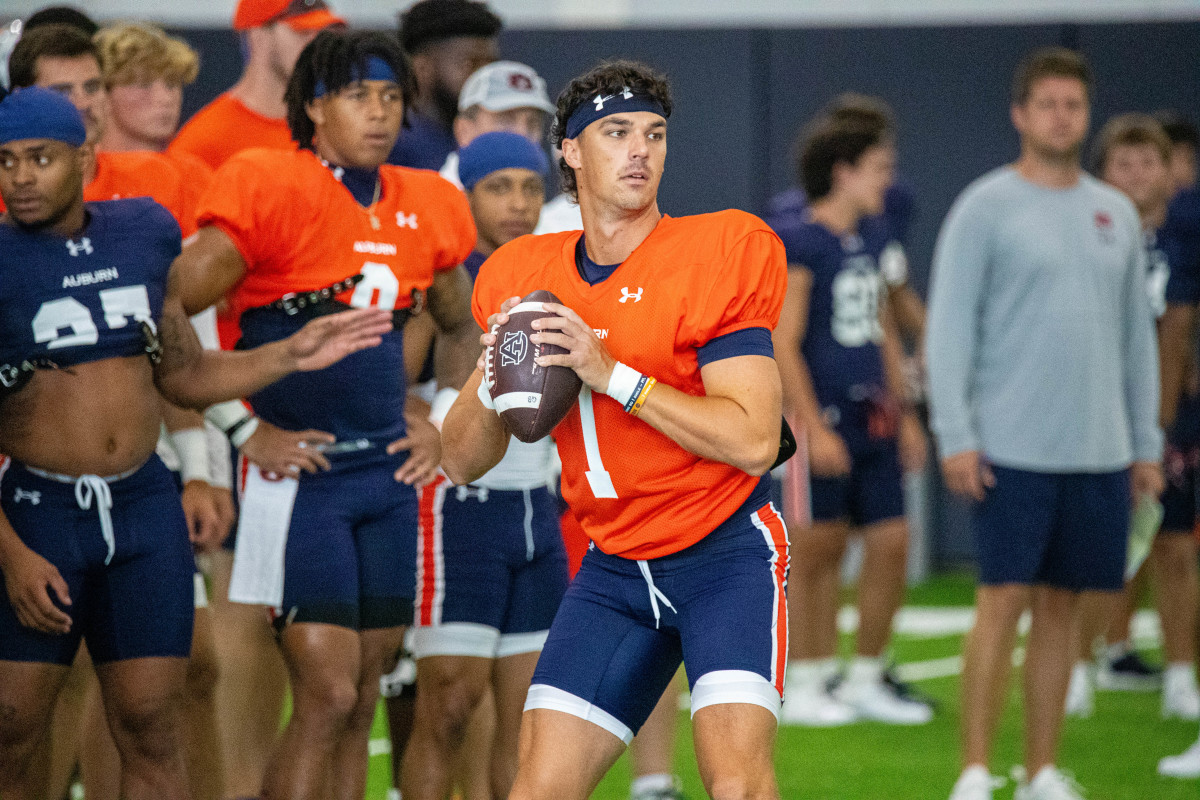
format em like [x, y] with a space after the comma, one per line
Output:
[14, 376]
[319, 302]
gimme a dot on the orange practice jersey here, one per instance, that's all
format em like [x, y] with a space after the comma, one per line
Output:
[197, 175]
[636, 492]
[299, 229]
[226, 127]
[141, 173]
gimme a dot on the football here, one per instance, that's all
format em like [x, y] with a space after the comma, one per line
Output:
[530, 399]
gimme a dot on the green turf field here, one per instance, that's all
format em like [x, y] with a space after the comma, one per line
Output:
[1113, 754]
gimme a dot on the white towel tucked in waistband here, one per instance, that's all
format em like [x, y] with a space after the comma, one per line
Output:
[264, 519]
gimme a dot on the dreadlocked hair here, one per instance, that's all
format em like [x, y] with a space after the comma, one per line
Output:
[335, 58]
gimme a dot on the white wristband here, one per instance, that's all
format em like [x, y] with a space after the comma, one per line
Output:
[191, 445]
[485, 395]
[440, 406]
[234, 419]
[220, 464]
[623, 383]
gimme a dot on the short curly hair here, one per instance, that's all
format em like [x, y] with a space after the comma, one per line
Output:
[431, 21]
[333, 58]
[608, 77]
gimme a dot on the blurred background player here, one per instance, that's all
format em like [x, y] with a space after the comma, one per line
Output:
[891, 225]
[1132, 153]
[1045, 404]
[502, 96]
[840, 360]
[639, 616]
[1185, 144]
[327, 222]
[119, 577]
[252, 112]
[447, 41]
[492, 567]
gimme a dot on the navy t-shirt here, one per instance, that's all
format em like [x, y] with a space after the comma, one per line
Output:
[786, 209]
[842, 339]
[77, 299]
[424, 144]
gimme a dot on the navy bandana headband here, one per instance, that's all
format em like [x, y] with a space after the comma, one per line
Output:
[376, 70]
[603, 105]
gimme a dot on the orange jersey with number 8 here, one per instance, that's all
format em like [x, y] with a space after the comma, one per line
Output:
[637, 493]
[299, 229]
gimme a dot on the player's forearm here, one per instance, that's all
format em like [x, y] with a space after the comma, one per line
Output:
[893, 359]
[742, 434]
[909, 313]
[799, 397]
[213, 376]
[473, 438]
[1174, 353]
[455, 352]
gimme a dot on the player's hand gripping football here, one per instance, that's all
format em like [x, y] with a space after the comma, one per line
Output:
[588, 356]
[487, 338]
[327, 340]
[30, 581]
[282, 452]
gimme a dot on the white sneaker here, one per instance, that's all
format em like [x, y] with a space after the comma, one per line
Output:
[1184, 765]
[975, 783]
[1050, 784]
[1181, 697]
[875, 700]
[813, 707]
[1081, 693]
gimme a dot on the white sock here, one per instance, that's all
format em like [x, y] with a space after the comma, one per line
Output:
[1116, 651]
[865, 670]
[809, 672]
[1179, 672]
[657, 782]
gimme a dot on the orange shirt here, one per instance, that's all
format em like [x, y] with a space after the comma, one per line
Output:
[141, 173]
[196, 174]
[637, 493]
[299, 229]
[225, 127]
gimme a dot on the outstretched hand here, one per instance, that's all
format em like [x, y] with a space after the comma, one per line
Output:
[327, 340]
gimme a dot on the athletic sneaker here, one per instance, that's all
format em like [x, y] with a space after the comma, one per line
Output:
[1050, 784]
[1184, 765]
[812, 707]
[1080, 692]
[975, 783]
[1127, 673]
[906, 690]
[1181, 697]
[875, 700]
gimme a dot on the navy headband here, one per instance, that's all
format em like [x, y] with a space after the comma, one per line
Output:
[603, 105]
[376, 70]
[36, 113]
[499, 150]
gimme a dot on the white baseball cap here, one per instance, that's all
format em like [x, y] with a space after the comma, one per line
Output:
[505, 85]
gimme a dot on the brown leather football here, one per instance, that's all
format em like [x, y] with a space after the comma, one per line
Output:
[530, 399]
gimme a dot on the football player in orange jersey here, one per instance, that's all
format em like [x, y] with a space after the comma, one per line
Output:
[667, 323]
[294, 234]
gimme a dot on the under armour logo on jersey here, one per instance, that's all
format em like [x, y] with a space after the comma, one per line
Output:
[514, 348]
[84, 246]
[628, 295]
[600, 99]
[403, 221]
[33, 497]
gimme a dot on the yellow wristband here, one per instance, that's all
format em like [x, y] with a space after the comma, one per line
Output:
[641, 398]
